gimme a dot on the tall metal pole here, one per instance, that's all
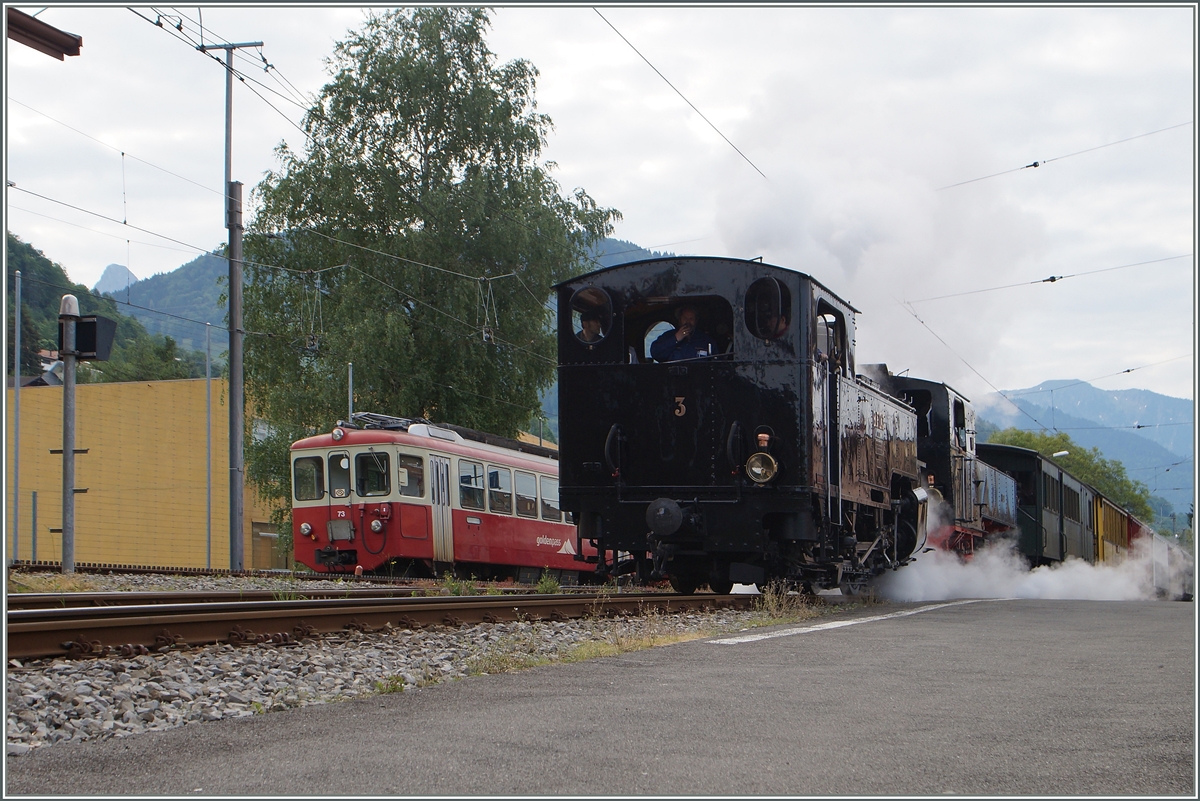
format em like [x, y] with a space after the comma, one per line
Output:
[233, 222]
[16, 496]
[236, 422]
[350, 392]
[68, 316]
[33, 531]
[208, 444]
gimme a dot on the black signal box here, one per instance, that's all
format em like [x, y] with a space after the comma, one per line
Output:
[93, 337]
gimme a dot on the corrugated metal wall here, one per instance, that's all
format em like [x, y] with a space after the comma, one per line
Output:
[144, 472]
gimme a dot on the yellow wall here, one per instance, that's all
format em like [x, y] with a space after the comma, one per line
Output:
[144, 472]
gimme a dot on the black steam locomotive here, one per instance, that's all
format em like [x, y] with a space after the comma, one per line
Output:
[714, 430]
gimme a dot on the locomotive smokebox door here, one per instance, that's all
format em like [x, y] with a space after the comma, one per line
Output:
[664, 517]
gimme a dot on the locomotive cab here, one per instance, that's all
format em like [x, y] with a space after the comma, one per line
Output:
[747, 453]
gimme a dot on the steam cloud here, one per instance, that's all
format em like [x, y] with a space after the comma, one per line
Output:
[999, 571]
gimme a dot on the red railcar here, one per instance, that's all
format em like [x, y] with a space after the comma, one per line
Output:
[410, 497]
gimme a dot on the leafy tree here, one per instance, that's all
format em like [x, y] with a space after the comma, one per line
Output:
[149, 359]
[1089, 465]
[421, 236]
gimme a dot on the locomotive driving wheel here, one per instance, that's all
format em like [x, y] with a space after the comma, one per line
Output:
[684, 583]
[720, 586]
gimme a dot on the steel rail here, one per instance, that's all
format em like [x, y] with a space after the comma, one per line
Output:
[139, 629]
[60, 600]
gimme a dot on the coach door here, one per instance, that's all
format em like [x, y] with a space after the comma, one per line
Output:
[443, 523]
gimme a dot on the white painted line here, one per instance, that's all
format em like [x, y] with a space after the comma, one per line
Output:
[837, 624]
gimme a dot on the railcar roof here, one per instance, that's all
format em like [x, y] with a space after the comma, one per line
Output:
[676, 259]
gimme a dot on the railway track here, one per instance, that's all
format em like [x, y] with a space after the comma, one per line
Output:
[59, 600]
[137, 628]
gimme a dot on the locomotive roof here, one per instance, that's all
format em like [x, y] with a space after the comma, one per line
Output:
[758, 265]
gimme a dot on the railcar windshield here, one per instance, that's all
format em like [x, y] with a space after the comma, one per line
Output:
[308, 478]
[372, 473]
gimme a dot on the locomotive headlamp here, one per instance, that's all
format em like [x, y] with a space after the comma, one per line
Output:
[305, 529]
[338, 434]
[377, 526]
[761, 467]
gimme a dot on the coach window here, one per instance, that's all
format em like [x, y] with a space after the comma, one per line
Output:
[550, 510]
[339, 475]
[308, 478]
[499, 490]
[768, 308]
[410, 475]
[591, 315]
[470, 484]
[372, 474]
[526, 494]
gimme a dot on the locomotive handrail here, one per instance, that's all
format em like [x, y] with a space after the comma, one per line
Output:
[734, 440]
[614, 433]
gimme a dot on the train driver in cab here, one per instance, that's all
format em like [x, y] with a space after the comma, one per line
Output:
[686, 341]
[590, 331]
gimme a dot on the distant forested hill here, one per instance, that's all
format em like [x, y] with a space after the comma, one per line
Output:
[168, 303]
[617, 251]
[1151, 434]
[136, 356]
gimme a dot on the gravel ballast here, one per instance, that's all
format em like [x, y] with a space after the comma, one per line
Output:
[56, 700]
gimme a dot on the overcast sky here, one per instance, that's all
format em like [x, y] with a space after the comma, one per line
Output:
[857, 117]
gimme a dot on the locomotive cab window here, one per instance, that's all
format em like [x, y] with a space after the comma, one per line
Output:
[372, 474]
[339, 475]
[410, 475]
[768, 308]
[308, 478]
[499, 490]
[591, 315]
[831, 339]
[651, 326]
[470, 485]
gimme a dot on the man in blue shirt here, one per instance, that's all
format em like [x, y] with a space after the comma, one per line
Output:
[684, 342]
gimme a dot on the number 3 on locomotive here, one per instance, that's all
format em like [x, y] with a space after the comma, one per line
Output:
[680, 409]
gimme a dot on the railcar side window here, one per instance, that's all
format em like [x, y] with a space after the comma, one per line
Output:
[410, 475]
[499, 490]
[308, 478]
[470, 484]
[372, 473]
[526, 494]
[1071, 504]
[1050, 486]
[339, 475]
[768, 308]
[550, 508]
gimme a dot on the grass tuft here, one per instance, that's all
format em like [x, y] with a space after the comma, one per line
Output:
[548, 584]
